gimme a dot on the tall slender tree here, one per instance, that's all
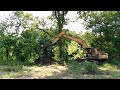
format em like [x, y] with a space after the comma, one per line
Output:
[59, 17]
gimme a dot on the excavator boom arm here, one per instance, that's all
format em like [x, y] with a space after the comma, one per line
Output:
[93, 51]
[76, 39]
[57, 37]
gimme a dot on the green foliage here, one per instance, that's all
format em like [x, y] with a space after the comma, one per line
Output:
[85, 67]
[74, 51]
[60, 20]
[105, 27]
[23, 47]
[109, 66]
[27, 46]
[89, 68]
[59, 17]
[11, 68]
[89, 38]
[10, 62]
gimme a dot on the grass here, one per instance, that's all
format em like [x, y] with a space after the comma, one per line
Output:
[72, 70]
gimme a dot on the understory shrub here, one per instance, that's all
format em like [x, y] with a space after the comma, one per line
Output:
[85, 67]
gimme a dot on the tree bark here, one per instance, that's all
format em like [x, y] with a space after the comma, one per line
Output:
[59, 15]
[60, 42]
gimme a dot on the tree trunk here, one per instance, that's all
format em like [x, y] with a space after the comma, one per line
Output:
[59, 16]
[7, 53]
[60, 42]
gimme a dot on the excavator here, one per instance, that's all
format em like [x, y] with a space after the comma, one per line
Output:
[89, 53]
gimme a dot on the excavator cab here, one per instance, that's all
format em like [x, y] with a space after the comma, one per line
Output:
[94, 54]
[87, 52]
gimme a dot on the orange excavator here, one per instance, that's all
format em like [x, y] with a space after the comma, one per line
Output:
[88, 52]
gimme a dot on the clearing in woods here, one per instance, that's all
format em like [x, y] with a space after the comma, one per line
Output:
[54, 72]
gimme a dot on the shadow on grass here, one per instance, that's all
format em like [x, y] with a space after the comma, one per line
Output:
[76, 73]
[8, 72]
[7, 68]
[70, 75]
[73, 71]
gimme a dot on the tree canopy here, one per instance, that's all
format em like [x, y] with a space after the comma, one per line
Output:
[22, 39]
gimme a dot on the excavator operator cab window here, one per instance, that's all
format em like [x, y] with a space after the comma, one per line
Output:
[87, 52]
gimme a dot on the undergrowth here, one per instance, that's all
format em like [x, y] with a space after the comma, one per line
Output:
[84, 67]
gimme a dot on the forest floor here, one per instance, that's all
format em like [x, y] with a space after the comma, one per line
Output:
[54, 72]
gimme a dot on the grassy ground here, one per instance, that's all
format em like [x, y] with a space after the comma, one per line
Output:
[107, 71]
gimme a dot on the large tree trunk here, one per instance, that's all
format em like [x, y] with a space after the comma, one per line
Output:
[59, 16]
[60, 42]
